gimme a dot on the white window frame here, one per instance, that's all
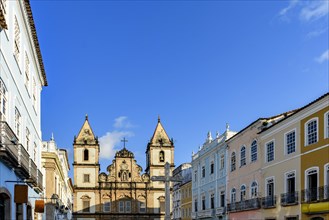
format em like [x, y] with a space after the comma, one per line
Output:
[222, 161]
[325, 182]
[252, 161]
[142, 203]
[326, 124]
[231, 161]
[251, 189]
[285, 141]
[127, 206]
[107, 206]
[266, 161]
[245, 192]
[3, 97]
[17, 38]
[267, 180]
[121, 206]
[245, 156]
[306, 130]
[18, 123]
[212, 163]
[231, 194]
[286, 179]
[306, 174]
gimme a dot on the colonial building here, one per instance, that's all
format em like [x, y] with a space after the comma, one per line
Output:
[58, 186]
[185, 172]
[186, 201]
[209, 178]
[124, 192]
[22, 76]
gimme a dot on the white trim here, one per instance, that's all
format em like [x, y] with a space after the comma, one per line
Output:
[306, 130]
[250, 155]
[257, 189]
[266, 182]
[273, 140]
[286, 178]
[306, 177]
[326, 126]
[285, 141]
[245, 155]
[230, 168]
[326, 167]
[234, 195]
[245, 191]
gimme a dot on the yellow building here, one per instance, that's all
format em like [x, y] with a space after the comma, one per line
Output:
[314, 144]
[186, 202]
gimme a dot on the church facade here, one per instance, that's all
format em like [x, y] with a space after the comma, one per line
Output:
[124, 191]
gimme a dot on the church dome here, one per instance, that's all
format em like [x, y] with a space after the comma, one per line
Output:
[124, 153]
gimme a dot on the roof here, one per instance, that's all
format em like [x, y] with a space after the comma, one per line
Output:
[296, 111]
[160, 134]
[35, 40]
[86, 134]
[124, 153]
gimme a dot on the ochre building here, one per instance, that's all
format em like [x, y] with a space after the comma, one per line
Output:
[124, 191]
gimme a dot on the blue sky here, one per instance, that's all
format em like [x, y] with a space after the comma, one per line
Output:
[197, 64]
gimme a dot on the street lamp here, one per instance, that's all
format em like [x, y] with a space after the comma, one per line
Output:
[54, 200]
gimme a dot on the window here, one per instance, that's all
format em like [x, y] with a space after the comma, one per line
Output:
[312, 184]
[3, 101]
[27, 139]
[107, 206]
[243, 156]
[121, 206]
[19, 211]
[270, 151]
[290, 182]
[17, 122]
[253, 150]
[212, 201]
[290, 142]
[233, 195]
[212, 167]
[270, 187]
[142, 207]
[128, 206]
[27, 72]
[195, 175]
[162, 206]
[86, 178]
[326, 125]
[203, 203]
[222, 161]
[311, 132]
[161, 156]
[34, 94]
[35, 152]
[16, 40]
[85, 206]
[5, 206]
[203, 171]
[222, 198]
[85, 154]
[195, 205]
[254, 189]
[233, 159]
[242, 192]
[326, 180]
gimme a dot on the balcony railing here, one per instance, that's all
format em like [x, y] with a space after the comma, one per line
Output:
[318, 194]
[249, 204]
[33, 173]
[193, 215]
[269, 202]
[220, 211]
[8, 145]
[40, 180]
[290, 198]
[208, 213]
[23, 161]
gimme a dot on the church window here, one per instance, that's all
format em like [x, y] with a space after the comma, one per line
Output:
[86, 154]
[161, 156]
[86, 178]
[124, 176]
[128, 206]
[162, 206]
[119, 174]
[16, 40]
[107, 206]
[121, 206]
[142, 207]
[86, 205]
[3, 101]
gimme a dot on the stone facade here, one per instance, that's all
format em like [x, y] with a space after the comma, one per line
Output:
[124, 192]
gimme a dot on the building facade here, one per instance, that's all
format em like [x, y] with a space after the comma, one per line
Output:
[209, 178]
[186, 202]
[58, 190]
[22, 77]
[124, 192]
[184, 171]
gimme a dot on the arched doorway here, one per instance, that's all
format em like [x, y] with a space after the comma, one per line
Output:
[5, 211]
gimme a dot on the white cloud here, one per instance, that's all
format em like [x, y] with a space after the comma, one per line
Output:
[314, 10]
[292, 4]
[110, 140]
[122, 122]
[316, 33]
[323, 57]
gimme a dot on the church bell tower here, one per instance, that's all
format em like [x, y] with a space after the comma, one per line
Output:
[160, 150]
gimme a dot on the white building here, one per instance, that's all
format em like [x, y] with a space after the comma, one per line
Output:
[209, 178]
[22, 77]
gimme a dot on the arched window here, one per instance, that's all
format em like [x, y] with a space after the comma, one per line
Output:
[243, 156]
[311, 131]
[3, 101]
[233, 160]
[253, 151]
[161, 156]
[233, 195]
[85, 154]
[242, 192]
[254, 189]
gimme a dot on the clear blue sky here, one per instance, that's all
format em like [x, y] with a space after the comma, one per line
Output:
[197, 64]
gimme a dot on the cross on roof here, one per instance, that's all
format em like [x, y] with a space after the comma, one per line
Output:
[124, 142]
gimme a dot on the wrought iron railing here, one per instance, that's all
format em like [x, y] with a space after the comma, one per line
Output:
[290, 198]
[249, 204]
[269, 202]
[40, 180]
[318, 194]
[8, 145]
[33, 172]
[23, 159]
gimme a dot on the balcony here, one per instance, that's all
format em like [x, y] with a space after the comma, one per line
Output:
[8, 145]
[244, 205]
[269, 202]
[33, 172]
[208, 213]
[220, 211]
[23, 162]
[193, 215]
[40, 180]
[290, 198]
[318, 194]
